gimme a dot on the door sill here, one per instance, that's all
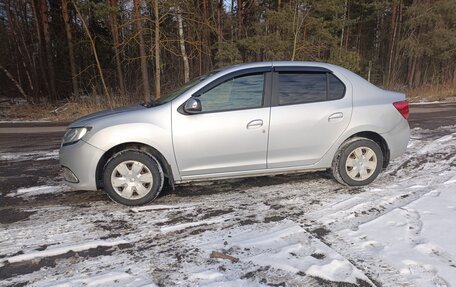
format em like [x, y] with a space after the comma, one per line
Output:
[249, 173]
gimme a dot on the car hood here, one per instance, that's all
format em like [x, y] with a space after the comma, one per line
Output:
[86, 120]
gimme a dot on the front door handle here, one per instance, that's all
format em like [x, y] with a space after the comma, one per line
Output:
[255, 124]
[335, 116]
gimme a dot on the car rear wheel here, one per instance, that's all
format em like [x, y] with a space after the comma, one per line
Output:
[132, 178]
[358, 162]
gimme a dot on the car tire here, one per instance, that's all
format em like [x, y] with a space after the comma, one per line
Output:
[358, 162]
[132, 178]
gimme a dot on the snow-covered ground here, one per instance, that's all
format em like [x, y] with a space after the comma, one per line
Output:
[21, 156]
[295, 230]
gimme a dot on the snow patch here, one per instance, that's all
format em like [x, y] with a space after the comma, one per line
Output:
[177, 227]
[336, 270]
[451, 180]
[158, 207]
[437, 144]
[22, 156]
[423, 249]
[50, 155]
[112, 278]
[39, 190]
[285, 246]
[60, 250]
[206, 275]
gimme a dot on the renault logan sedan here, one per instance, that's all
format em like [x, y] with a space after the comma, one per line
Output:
[246, 120]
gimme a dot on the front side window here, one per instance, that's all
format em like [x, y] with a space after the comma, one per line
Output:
[243, 92]
[308, 87]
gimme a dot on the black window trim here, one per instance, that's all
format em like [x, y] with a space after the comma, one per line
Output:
[267, 93]
[307, 70]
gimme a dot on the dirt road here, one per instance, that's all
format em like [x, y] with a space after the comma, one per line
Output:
[432, 116]
[50, 235]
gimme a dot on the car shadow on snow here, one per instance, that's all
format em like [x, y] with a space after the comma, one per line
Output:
[240, 185]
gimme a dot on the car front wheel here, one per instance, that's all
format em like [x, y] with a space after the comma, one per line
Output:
[132, 178]
[358, 162]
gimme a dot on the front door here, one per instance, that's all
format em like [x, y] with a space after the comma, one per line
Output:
[230, 134]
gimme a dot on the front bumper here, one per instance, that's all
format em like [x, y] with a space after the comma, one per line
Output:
[81, 159]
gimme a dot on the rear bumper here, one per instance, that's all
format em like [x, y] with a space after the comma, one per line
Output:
[81, 159]
[397, 139]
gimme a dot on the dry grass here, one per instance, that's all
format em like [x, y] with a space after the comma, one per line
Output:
[429, 93]
[62, 111]
[71, 110]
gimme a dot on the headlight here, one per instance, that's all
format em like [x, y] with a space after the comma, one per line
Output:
[74, 134]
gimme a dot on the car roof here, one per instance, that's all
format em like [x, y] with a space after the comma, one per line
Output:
[281, 64]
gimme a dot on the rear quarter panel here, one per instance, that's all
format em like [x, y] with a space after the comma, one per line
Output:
[373, 111]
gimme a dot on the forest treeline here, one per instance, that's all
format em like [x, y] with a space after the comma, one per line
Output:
[140, 49]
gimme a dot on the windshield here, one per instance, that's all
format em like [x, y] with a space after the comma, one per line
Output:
[171, 96]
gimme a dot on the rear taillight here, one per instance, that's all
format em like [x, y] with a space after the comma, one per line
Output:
[403, 108]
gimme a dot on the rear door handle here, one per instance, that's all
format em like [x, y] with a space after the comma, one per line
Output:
[335, 116]
[255, 124]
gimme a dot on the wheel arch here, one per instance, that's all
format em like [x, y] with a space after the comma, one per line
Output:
[168, 173]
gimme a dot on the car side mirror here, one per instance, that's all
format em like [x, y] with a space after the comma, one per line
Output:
[192, 106]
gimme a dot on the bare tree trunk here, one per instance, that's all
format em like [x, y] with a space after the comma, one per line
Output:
[393, 41]
[27, 63]
[200, 37]
[411, 71]
[347, 28]
[369, 72]
[231, 20]
[182, 45]
[377, 35]
[41, 48]
[239, 18]
[396, 59]
[219, 26]
[344, 17]
[69, 37]
[297, 25]
[157, 50]
[47, 40]
[206, 39]
[18, 86]
[142, 51]
[95, 54]
[115, 36]
[22, 54]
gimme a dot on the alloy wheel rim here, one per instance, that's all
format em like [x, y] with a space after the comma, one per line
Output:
[132, 179]
[361, 163]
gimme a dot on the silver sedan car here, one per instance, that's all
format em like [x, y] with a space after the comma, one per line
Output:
[246, 120]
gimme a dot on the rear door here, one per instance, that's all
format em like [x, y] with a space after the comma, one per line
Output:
[311, 108]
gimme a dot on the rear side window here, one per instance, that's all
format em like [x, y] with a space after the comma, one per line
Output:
[336, 89]
[308, 87]
[298, 88]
